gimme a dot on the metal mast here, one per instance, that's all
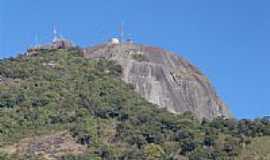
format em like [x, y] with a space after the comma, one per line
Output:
[122, 34]
[55, 35]
[36, 45]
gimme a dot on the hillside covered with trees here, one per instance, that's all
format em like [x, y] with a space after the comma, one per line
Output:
[81, 107]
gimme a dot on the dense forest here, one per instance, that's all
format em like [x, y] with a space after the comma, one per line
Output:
[59, 91]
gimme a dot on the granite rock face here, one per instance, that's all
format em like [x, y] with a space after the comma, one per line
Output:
[163, 78]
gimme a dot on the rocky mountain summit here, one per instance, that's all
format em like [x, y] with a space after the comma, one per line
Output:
[163, 78]
[69, 103]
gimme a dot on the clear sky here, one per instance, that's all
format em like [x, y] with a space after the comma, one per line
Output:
[229, 40]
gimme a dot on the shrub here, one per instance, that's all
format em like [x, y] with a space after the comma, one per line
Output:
[86, 157]
[209, 141]
[188, 146]
[201, 154]
[182, 134]
[153, 152]
[82, 136]
[4, 156]
[40, 102]
[139, 57]
[104, 152]
[7, 101]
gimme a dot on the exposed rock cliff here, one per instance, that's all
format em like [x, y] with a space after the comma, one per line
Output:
[163, 78]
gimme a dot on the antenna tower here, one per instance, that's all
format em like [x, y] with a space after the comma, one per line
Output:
[55, 34]
[122, 34]
[36, 44]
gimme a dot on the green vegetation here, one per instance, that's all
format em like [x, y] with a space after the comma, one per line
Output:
[258, 149]
[88, 99]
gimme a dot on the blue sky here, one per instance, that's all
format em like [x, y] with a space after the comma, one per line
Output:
[228, 40]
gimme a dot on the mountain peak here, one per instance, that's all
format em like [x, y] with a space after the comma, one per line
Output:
[163, 78]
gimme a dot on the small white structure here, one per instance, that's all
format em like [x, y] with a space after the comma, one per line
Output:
[115, 41]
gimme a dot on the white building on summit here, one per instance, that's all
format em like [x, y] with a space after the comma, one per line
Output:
[115, 41]
[58, 42]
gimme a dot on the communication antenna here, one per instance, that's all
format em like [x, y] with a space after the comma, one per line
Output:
[55, 34]
[129, 38]
[122, 32]
[36, 43]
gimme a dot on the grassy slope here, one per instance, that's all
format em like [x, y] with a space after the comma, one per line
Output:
[259, 149]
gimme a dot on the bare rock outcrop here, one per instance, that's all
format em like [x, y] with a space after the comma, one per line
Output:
[163, 78]
[48, 147]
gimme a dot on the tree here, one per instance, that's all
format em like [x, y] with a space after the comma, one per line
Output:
[182, 134]
[188, 146]
[209, 141]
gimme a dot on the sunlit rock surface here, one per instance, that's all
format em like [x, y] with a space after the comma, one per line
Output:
[163, 78]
